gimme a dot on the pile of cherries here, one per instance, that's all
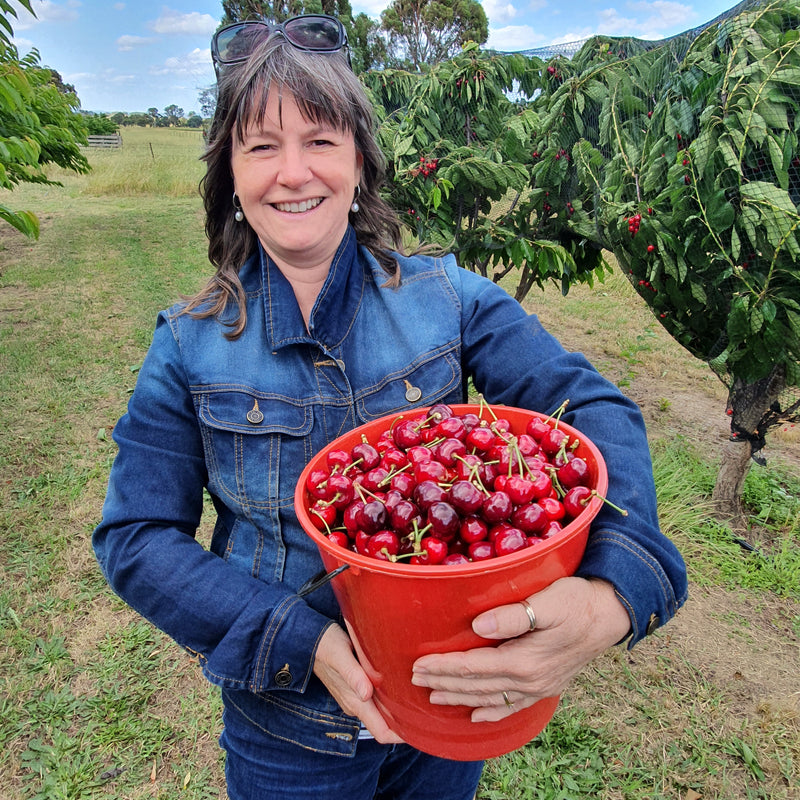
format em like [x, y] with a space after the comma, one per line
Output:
[445, 488]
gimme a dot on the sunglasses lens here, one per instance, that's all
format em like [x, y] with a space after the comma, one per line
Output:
[236, 43]
[314, 33]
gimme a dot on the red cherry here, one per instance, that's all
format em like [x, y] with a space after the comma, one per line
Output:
[519, 489]
[444, 521]
[510, 541]
[574, 473]
[576, 499]
[531, 519]
[497, 507]
[553, 440]
[382, 545]
[338, 459]
[473, 529]
[481, 551]
[433, 551]
[465, 497]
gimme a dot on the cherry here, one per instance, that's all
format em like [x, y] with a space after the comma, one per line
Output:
[340, 489]
[383, 545]
[367, 455]
[454, 559]
[432, 551]
[553, 508]
[537, 428]
[510, 541]
[352, 516]
[465, 497]
[317, 484]
[430, 471]
[574, 473]
[406, 434]
[338, 458]
[519, 489]
[403, 482]
[340, 538]
[530, 518]
[481, 551]
[427, 493]
[497, 507]
[553, 440]
[449, 451]
[372, 517]
[403, 515]
[323, 515]
[376, 479]
[480, 439]
[576, 499]
[452, 428]
[444, 521]
[473, 529]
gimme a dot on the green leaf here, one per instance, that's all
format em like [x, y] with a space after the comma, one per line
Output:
[719, 211]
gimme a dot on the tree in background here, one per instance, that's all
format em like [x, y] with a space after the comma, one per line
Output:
[682, 160]
[422, 32]
[39, 124]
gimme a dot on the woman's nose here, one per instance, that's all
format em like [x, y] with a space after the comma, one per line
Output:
[294, 169]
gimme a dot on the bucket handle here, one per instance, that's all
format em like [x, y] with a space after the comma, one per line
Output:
[320, 580]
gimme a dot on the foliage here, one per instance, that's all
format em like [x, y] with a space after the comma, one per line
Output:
[422, 32]
[100, 124]
[461, 158]
[38, 123]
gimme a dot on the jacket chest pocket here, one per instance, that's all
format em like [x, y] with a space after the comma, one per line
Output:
[255, 447]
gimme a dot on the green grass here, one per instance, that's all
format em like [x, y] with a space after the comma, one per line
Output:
[96, 703]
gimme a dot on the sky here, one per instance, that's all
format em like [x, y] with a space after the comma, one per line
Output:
[134, 55]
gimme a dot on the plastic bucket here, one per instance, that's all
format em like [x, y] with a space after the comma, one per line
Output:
[397, 612]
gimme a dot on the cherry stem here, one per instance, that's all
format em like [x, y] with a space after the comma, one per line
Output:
[622, 511]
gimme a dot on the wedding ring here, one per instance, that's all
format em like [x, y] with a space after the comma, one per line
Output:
[507, 701]
[529, 611]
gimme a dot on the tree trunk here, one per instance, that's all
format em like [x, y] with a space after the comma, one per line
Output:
[749, 404]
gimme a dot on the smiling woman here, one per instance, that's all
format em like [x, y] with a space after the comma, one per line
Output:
[313, 324]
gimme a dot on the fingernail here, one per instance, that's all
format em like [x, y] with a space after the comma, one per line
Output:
[485, 625]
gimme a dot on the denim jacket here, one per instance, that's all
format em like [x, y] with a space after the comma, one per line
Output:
[241, 419]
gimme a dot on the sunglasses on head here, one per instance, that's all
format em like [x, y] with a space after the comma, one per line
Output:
[314, 33]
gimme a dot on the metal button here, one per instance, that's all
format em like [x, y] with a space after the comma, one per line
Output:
[254, 415]
[340, 364]
[283, 677]
[413, 393]
[653, 623]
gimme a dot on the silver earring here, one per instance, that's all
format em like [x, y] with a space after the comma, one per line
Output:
[354, 208]
[238, 214]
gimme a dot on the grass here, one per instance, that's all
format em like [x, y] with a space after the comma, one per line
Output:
[96, 703]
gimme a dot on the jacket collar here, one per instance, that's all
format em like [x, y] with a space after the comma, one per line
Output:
[335, 307]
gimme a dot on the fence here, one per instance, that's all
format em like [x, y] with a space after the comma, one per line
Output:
[114, 140]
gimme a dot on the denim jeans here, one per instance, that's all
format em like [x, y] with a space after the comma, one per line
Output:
[259, 767]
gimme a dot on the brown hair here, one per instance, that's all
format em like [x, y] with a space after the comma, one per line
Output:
[327, 91]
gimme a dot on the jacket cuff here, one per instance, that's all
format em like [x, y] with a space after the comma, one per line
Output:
[285, 657]
[638, 578]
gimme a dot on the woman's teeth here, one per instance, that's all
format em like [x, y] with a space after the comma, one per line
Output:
[297, 208]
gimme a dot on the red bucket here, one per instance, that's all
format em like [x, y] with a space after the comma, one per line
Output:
[397, 612]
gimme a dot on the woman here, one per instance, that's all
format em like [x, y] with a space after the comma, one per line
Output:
[311, 326]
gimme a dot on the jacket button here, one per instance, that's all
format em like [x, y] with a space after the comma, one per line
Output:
[283, 677]
[653, 623]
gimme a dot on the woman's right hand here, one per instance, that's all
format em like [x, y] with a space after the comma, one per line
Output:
[336, 666]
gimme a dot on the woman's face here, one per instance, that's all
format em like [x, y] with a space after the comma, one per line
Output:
[296, 181]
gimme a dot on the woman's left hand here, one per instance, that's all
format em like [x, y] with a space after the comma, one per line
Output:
[576, 620]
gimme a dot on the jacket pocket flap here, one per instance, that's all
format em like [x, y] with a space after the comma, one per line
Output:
[247, 411]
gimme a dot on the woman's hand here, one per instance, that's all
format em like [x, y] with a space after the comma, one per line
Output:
[576, 620]
[337, 667]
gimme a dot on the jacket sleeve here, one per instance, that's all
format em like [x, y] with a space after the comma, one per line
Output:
[514, 361]
[244, 631]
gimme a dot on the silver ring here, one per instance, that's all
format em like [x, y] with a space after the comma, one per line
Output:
[529, 611]
[508, 703]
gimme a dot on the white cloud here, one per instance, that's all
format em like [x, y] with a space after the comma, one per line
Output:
[195, 63]
[372, 8]
[192, 24]
[127, 43]
[514, 37]
[46, 11]
[650, 20]
[499, 12]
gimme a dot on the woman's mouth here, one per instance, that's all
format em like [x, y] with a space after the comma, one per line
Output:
[298, 208]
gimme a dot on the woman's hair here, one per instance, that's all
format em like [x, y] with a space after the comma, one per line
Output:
[326, 91]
